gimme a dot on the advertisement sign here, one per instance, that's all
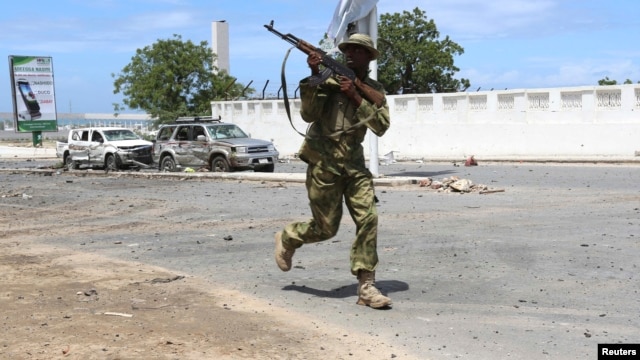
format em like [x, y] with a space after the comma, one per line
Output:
[34, 104]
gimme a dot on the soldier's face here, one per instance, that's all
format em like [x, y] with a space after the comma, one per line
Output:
[356, 56]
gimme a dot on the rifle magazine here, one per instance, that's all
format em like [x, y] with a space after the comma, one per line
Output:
[315, 80]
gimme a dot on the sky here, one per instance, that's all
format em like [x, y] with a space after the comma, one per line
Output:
[508, 44]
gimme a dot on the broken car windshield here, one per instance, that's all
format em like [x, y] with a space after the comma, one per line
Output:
[115, 135]
[225, 132]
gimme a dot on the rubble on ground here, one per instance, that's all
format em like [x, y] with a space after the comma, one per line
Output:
[471, 161]
[455, 184]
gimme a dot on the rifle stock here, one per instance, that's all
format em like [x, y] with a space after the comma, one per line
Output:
[337, 68]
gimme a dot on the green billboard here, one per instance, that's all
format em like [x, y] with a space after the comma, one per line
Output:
[34, 104]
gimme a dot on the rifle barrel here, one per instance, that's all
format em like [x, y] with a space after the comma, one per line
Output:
[288, 37]
[337, 68]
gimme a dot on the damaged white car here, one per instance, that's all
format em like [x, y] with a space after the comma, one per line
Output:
[110, 148]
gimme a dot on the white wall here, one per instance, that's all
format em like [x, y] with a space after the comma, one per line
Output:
[596, 122]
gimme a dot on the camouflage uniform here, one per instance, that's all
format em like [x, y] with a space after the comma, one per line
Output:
[336, 169]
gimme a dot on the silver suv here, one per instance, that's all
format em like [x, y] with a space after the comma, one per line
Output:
[204, 142]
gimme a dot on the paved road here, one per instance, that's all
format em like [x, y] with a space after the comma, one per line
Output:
[546, 269]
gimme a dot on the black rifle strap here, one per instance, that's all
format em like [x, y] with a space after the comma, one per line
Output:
[288, 109]
[284, 89]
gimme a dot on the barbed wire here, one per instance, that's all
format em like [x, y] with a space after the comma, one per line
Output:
[270, 90]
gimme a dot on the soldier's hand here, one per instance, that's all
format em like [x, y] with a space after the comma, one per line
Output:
[313, 60]
[349, 88]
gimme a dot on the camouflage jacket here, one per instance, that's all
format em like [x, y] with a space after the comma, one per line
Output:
[337, 127]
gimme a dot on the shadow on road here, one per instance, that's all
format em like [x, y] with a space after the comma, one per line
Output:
[385, 286]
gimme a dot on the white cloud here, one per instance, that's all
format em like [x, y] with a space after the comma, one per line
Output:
[149, 22]
[482, 19]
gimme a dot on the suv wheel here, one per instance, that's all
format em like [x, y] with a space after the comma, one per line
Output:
[70, 164]
[219, 164]
[111, 163]
[167, 164]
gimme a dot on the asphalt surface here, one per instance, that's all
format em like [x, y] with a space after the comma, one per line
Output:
[546, 269]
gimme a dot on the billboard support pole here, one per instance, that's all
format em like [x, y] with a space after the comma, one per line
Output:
[36, 137]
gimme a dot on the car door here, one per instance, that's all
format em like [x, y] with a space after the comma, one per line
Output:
[79, 145]
[163, 139]
[183, 148]
[96, 148]
[200, 148]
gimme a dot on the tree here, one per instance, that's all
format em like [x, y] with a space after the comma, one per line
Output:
[606, 81]
[173, 78]
[413, 59]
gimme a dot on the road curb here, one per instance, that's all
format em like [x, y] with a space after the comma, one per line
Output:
[388, 181]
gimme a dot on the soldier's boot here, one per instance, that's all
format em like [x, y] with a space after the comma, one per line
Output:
[283, 256]
[368, 294]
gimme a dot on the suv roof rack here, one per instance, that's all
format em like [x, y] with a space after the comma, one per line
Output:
[184, 119]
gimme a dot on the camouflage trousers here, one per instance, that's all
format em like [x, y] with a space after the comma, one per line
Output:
[326, 191]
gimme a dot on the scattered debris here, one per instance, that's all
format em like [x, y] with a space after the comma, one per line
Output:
[167, 280]
[455, 184]
[88, 292]
[462, 185]
[471, 161]
[118, 314]
[491, 191]
[11, 195]
[89, 295]
[388, 158]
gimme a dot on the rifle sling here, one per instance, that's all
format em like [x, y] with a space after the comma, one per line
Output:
[284, 89]
[288, 108]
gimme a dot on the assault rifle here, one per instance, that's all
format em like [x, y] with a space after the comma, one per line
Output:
[331, 67]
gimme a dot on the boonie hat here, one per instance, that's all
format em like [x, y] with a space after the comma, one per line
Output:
[362, 40]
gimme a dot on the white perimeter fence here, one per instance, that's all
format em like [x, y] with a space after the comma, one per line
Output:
[579, 123]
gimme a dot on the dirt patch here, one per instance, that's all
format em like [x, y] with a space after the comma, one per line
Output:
[59, 304]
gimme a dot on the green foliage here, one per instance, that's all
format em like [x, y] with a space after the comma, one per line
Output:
[413, 59]
[173, 78]
[606, 81]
